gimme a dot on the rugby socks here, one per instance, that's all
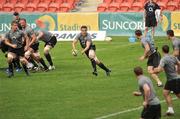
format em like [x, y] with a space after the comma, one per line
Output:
[93, 63]
[17, 63]
[41, 60]
[33, 62]
[11, 67]
[101, 65]
[25, 69]
[48, 57]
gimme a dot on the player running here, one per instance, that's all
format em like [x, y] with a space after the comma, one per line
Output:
[151, 53]
[33, 45]
[89, 49]
[151, 103]
[14, 39]
[167, 64]
[150, 16]
[176, 45]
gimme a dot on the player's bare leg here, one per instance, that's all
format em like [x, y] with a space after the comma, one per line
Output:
[145, 31]
[48, 56]
[168, 99]
[24, 63]
[10, 58]
[154, 76]
[153, 32]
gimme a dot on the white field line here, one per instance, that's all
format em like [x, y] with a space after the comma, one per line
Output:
[126, 111]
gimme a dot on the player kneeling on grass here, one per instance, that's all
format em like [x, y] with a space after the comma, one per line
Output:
[151, 53]
[33, 45]
[167, 64]
[14, 39]
[89, 49]
[152, 107]
[50, 41]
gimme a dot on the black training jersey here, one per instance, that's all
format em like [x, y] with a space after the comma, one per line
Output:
[150, 9]
[15, 37]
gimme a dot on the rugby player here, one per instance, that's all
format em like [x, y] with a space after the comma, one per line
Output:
[167, 64]
[89, 49]
[151, 53]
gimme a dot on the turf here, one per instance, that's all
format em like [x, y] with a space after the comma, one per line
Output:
[71, 92]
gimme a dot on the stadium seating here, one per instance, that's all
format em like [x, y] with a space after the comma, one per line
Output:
[67, 5]
[104, 6]
[135, 5]
[20, 5]
[43, 5]
[8, 5]
[31, 5]
[54, 6]
[172, 5]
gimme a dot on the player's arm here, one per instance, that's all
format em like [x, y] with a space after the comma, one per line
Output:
[7, 42]
[74, 44]
[137, 93]
[27, 41]
[39, 35]
[146, 51]
[158, 69]
[146, 89]
[176, 52]
[88, 43]
[33, 38]
[144, 16]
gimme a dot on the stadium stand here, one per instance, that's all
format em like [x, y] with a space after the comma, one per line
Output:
[39, 5]
[73, 5]
[135, 5]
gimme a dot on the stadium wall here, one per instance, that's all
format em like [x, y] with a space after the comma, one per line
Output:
[115, 24]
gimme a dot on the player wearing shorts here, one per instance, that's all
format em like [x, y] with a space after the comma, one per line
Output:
[14, 39]
[33, 45]
[151, 53]
[89, 49]
[150, 17]
[151, 103]
[167, 64]
[175, 44]
[50, 41]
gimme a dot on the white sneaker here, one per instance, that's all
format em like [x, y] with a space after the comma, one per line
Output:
[29, 65]
[170, 112]
[51, 67]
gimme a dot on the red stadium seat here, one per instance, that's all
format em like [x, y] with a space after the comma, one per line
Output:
[162, 3]
[172, 5]
[137, 5]
[20, 5]
[114, 6]
[67, 5]
[125, 5]
[104, 6]
[42, 6]
[31, 5]
[54, 5]
[8, 5]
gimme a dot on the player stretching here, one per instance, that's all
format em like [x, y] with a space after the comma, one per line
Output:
[152, 107]
[167, 64]
[151, 53]
[89, 49]
[14, 39]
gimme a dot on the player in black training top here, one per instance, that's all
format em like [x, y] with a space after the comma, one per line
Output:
[150, 16]
[89, 49]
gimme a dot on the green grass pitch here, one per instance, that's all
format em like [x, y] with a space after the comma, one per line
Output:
[72, 92]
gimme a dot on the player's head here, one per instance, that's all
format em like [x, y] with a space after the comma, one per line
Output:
[23, 22]
[84, 30]
[16, 15]
[138, 33]
[165, 49]
[14, 25]
[170, 34]
[138, 71]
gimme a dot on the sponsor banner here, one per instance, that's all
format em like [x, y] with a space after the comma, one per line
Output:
[124, 24]
[175, 22]
[49, 19]
[71, 35]
[73, 21]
